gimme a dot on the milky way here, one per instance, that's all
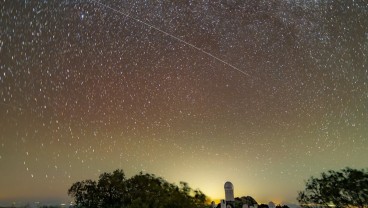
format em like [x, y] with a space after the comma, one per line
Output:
[262, 93]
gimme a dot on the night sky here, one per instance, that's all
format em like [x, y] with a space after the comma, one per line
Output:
[263, 93]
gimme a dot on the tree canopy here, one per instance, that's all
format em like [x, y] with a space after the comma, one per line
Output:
[345, 188]
[239, 201]
[113, 190]
[245, 200]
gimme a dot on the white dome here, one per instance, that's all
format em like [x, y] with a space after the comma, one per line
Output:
[228, 186]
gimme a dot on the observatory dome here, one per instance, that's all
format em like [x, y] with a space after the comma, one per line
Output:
[228, 186]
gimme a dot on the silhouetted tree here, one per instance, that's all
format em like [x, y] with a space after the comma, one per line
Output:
[238, 203]
[142, 190]
[147, 189]
[85, 193]
[138, 203]
[242, 200]
[349, 187]
[263, 206]
[280, 206]
[112, 189]
[200, 198]
[248, 200]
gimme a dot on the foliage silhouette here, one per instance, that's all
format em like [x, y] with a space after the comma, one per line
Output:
[113, 190]
[347, 188]
[239, 201]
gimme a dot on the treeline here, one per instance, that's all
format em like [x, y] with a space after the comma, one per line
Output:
[250, 201]
[345, 188]
[277, 206]
[114, 190]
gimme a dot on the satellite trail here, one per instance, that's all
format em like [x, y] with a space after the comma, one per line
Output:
[172, 36]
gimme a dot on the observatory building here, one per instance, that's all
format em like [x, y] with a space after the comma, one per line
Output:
[229, 191]
[229, 201]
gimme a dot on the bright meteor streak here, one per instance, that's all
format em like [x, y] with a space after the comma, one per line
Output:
[172, 36]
